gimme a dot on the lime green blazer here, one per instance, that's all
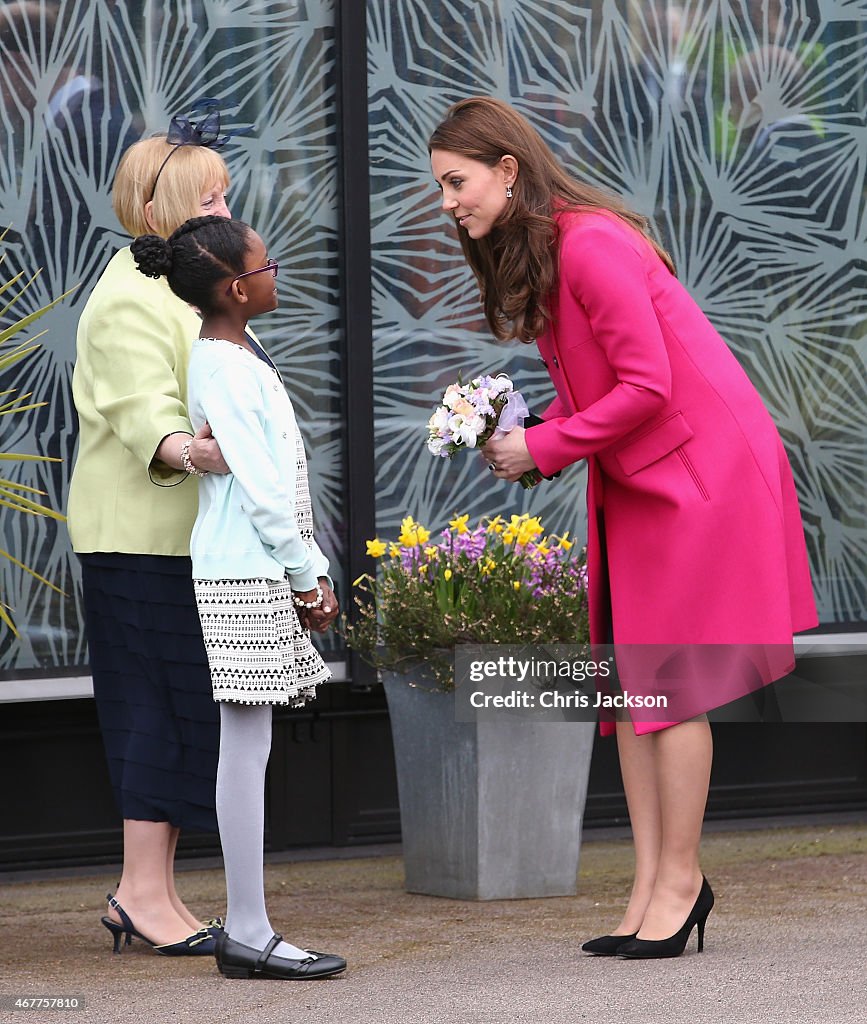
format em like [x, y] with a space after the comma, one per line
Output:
[129, 386]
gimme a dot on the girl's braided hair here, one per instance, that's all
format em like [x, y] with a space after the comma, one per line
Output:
[201, 253]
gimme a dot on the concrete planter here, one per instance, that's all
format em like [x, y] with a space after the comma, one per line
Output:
[489, 810]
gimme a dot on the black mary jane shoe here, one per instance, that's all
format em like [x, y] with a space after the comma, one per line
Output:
[607, 945]
[236, 960]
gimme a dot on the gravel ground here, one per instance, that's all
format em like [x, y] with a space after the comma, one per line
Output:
[787, 941]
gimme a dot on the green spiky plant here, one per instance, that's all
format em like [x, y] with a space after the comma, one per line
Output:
[16, 496]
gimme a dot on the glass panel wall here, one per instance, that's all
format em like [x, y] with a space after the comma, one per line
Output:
[737, 128]
[82, 79]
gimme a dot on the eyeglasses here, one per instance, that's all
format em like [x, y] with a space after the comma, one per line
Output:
[270, 265]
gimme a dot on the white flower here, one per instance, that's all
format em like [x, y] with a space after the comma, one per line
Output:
[500, 384]
[439, 421]
[466, 430]
[454, 393]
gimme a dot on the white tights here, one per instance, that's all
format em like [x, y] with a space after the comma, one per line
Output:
[245, 743]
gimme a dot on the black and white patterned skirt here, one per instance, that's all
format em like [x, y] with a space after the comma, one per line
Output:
[257, 650]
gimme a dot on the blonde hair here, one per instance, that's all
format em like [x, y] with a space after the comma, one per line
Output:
[516, 264]
[189, 172]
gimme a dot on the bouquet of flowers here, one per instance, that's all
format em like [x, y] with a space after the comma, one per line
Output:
[471, 414]
[497, 582]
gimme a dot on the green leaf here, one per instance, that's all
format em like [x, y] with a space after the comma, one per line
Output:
[35, 575]
[19, 325]
[12, 407]
[12, 493]
[26, 505]
[20, 457]
[4, 615]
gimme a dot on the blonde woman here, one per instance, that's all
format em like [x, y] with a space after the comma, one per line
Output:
[131, 509]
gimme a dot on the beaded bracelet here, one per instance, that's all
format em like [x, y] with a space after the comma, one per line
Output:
[320, 597]
[187, 462]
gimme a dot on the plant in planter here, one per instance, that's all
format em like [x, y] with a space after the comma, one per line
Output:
[489, 809]
[499, 582]
[14, 495]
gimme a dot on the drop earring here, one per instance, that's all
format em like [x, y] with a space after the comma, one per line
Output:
[508, 191]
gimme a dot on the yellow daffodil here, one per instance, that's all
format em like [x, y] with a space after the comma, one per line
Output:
[459, 523]
[465, 576]
[513, 531]
[529, 530]
[412, 533]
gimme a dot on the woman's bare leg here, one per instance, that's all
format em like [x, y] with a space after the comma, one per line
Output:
[638, 769]
[683, 756]
[143, 891]
[176, 901]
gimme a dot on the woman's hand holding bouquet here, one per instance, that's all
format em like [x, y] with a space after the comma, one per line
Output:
[475, 414]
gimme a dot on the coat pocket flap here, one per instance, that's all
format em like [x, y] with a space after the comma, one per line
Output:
[652, 446]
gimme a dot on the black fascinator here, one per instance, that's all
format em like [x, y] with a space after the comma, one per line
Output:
[183, 131]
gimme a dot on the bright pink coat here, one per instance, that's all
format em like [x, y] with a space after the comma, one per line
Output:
[685, 466]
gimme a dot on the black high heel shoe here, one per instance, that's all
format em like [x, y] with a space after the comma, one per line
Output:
[674, 945]
[200, 943]
[607, 945]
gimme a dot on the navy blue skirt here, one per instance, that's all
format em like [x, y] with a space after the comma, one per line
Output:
[152, 685]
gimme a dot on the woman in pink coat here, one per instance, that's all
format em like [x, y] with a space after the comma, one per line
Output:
[697, 565]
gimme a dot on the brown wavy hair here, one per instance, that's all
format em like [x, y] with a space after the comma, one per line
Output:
[516, 263]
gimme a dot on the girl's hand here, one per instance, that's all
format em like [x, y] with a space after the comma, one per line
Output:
[205, 452]
[508, 457]
[319, 619]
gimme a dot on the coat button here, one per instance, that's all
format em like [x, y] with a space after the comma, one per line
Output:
[285, 434]
[544, 363]
[556, 363]
[276, 387]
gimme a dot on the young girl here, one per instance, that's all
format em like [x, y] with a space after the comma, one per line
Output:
[260, 579]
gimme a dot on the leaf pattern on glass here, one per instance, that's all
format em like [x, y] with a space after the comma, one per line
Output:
[737, 128]
[80, 83]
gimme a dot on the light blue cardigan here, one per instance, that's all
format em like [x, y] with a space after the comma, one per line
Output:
[246, 527]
